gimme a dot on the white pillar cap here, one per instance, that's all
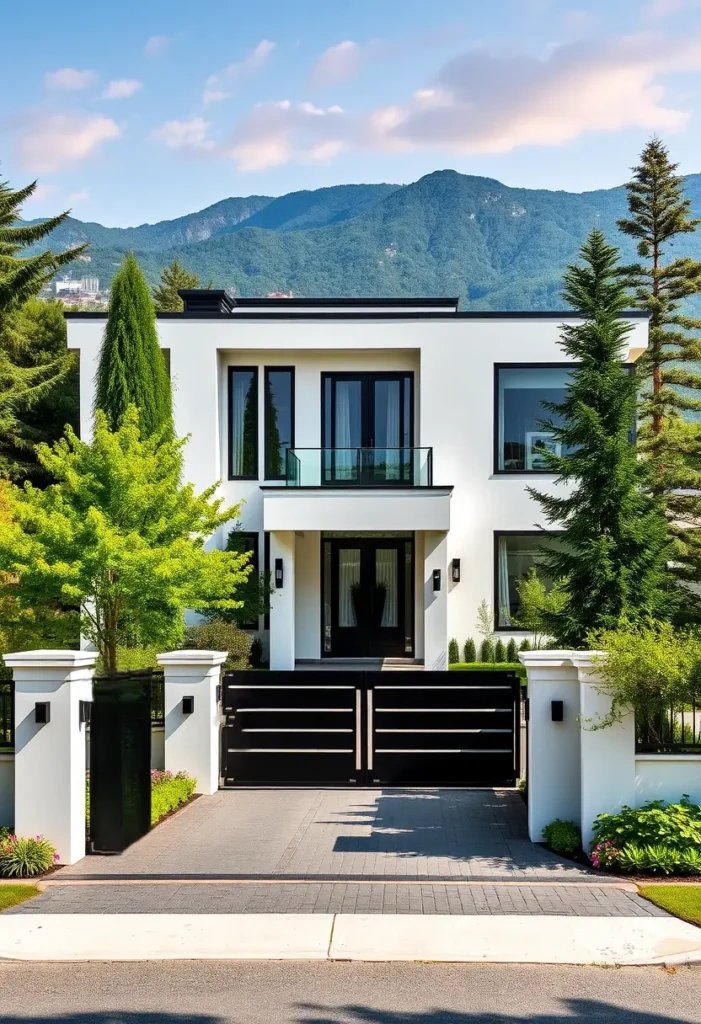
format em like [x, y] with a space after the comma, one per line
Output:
[546, 658]
[51, 659]
[203, 659]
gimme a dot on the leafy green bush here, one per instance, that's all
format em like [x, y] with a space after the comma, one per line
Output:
[169, 791]
[26, 857]
[511, 651]
[658, 837]
[469, 651]
[453, 652]
[526, 645]
[486, 651]
[490, 666]
[499, 650]
[220, 636]
[563, 836]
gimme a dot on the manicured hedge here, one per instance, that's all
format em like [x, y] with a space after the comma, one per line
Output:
[489, 666]
[169, 791]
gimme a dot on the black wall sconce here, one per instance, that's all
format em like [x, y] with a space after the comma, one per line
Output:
[42, 713]
[436, 580]
[455, 570]
[188, 705]
[278, 574]
[557, 710]
[84, 712]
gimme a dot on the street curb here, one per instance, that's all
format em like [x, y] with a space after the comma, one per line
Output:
[541, 939]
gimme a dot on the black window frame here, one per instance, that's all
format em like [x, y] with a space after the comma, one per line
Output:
[266, 570]
[367, 378]
[495, 587]
[266, 375]
[253, 538]
[520, 366]
[230, 404]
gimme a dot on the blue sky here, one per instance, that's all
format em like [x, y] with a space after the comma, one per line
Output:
[141, 111]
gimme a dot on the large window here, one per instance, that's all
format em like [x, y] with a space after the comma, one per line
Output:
[243, 423]
[279, 419]
[516, 553]
[520, 437]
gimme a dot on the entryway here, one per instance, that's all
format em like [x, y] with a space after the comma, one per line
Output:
[368, 596]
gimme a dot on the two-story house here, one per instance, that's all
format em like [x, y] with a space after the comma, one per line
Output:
[382, 447]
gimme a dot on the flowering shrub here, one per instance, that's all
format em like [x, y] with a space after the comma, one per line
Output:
[23, 858]
[658, 837]
[169, 791]
[605, 855]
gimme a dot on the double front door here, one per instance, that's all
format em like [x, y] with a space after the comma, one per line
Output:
[368, 604]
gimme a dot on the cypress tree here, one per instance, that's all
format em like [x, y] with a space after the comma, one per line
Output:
[132, 370]
[469, 653]
[659, 212]
[612, 562]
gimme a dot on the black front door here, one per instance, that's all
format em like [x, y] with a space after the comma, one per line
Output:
[368, 597]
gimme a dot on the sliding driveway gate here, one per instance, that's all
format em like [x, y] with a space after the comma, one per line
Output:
[371, 728]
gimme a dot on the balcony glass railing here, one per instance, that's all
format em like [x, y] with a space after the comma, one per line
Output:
[359, 467]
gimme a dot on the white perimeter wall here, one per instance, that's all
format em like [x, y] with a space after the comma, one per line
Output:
[667, 777]
[453, 362]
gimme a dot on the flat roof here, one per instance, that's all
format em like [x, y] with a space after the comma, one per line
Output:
[383, 314]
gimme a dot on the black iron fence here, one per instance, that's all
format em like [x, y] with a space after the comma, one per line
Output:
[157, 699]
[674, 730]
[7, 716]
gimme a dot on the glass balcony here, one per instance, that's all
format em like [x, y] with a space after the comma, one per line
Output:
[359, 467]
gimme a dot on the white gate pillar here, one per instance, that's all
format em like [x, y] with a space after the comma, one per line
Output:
[607, 755]
[435, 601]
[191, 709]
[282, 600]
[50, 746]
[553, 771]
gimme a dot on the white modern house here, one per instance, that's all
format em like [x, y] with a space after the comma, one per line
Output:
[382, 448]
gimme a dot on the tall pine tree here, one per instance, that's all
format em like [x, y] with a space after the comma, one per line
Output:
[132, 370]
[670, 440]
[612, 561]
[173, 278]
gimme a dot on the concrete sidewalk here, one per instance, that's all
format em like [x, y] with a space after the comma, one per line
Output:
[503, 939]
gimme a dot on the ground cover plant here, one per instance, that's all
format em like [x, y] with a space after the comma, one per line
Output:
[659, 838]
[169, 791]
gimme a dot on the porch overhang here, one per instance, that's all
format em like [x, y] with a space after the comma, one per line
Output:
[356, 509]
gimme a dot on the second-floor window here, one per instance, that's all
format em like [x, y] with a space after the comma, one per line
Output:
[521, 439]
[243, 422]
[279, 419]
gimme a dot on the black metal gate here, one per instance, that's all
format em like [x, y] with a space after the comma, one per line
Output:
[120, 760]
[371, 728]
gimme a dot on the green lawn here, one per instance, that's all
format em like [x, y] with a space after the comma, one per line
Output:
[11, 895]
[681, 900]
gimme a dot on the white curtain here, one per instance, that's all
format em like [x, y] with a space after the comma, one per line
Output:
[386, 574]
[503, 587]
[345, 460]
[241, 382]
[348, 575]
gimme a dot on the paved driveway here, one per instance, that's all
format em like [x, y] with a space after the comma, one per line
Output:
[382, 834]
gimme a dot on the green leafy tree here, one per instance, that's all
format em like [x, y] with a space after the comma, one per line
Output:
[119, 537]
[173, 278]
[661, 281]
[253, 595]
[612, 562]
[22, 277]
[538, 603]
[132, 370]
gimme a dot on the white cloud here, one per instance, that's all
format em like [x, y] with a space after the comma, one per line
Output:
[121, 89]
[50, 142]
[275, 133]
[156, 45]
[69, 79]
[76, 198]
[656, 10]
[218, 86]
[337, 63]
[189, 135]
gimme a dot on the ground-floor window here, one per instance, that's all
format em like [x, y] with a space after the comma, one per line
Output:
[515, 555]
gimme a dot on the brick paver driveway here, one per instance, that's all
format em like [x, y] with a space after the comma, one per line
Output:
[421, 834]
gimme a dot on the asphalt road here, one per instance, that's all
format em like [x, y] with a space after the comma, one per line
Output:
[343, 993]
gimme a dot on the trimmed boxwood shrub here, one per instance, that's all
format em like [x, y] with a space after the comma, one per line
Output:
[511, 651]
[499, 650]
[563, 836]
[486, 651]
[525, 645]
[169, 791]
[220, 636]
[25, 857]
[469, 652]
[453, 652]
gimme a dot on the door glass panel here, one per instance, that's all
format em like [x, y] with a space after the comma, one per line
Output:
[408, 598]
[387, 429]
[327, 595]
[348, 583]
[348, 427]
[386, 585]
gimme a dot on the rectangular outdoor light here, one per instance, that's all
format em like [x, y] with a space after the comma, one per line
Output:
[42, 713]
[84, 711]
[188, 705]
[455, 570]
[278, 574]
[557, 710]
[436, 580]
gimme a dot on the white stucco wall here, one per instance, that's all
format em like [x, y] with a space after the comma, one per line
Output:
[7, 789]
[453, 362]
[667, 777]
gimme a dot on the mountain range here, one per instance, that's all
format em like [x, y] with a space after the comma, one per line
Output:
[496, 247]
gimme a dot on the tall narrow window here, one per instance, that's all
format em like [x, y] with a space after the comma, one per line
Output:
[243, 423]
[279, 419]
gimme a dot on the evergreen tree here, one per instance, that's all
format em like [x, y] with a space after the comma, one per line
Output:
[659, 212]
[512, 652]
[453, 652]
[499, 651]
[612, 562]
[173, 277]
[132, 370]
[469, 653]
